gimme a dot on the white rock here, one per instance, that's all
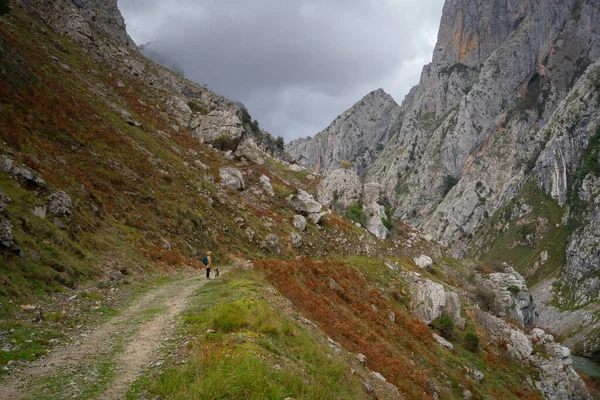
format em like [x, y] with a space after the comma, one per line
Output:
[443, 341]
[423, 261]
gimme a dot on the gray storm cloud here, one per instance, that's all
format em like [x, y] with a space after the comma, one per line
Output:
[297, 64]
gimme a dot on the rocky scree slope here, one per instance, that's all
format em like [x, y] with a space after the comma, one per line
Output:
[357, 136]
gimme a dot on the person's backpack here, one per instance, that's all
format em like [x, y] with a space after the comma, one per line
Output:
[205, 260]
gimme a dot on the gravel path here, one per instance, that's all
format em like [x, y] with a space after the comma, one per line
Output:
[107, 361]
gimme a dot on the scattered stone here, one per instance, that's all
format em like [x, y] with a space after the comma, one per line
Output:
[126, 115]
[296, 240]
[443, 341]
[316, 217]
[39, 211]
[361, 359]
[379, 376]
[368, 387]
[249, 234]
[334, 286]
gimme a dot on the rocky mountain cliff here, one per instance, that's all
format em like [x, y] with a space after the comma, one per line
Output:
[510, 97]
[357, 136]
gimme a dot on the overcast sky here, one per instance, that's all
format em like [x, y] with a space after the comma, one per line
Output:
[295, 64]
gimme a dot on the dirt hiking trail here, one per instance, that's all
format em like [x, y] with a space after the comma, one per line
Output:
[108, 360]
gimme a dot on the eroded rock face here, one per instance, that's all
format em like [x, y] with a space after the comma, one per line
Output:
[373, 212]
[342, 187]
[511, 295]
[429, 298]
[232, 178]
[557, 378]
[357, 136]
[266, 184]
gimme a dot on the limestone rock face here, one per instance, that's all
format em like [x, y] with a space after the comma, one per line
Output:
[342, 186]
[429, 298]
[557, 378]
[357, 136]
[221, 128]
[304, 203]
[232, 178]
[510, 295]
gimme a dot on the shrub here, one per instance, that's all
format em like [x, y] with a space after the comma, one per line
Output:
[254, 125]
[485, 297]
[387, 221]
[445, 326]
[279, 142]
[345, 164]
[514, 289]
[225, 142]
[526, 230]
[354, 212]
[4, 7]
[471, 342]
[198, 107]
[246, 118]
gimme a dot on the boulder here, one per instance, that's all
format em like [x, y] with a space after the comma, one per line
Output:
[423, 261]
[304, 203]
[221, 128]
[452, 308]
[272, 240]
[341, 188]
[429, 300]
[443, 341]
[296, 240]
[6, 164]
[59, 204]
[232, 178]
[299, 222]
[266, 184]
[249, 234]
[518, 345]
[316, 217]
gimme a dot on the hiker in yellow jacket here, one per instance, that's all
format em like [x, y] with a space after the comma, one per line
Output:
[208, 262]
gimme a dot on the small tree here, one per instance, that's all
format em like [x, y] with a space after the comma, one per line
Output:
[4, 7]
[345, 164]
[280, 142]
[354, 212]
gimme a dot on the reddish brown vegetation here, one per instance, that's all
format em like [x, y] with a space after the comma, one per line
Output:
[351, 319]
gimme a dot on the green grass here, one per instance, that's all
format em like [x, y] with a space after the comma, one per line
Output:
[508, 245]
[253, 352]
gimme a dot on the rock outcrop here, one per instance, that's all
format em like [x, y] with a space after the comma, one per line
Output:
[304, 203]
[340, 189]
[511, 297]
[373, 212]
[356, 136]
[557, 379]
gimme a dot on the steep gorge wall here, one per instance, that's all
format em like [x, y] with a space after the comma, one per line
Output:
[357, 136]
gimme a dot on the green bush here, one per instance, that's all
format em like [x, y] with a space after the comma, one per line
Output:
[445, 326]
[4, 7]
[279, 142]
[471, 342]
[354, 212]
[514, 289]
[198, 107]
[387, 220]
